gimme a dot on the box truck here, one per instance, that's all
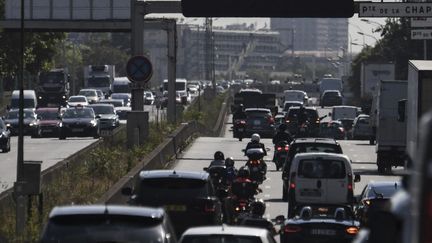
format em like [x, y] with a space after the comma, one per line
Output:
[371, 74]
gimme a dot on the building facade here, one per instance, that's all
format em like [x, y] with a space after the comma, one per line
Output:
[309, 34]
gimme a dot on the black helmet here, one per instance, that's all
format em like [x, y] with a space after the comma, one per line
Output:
[229, 162]
[219, 155]
[243, 172]
[258, 207]
[282, 127]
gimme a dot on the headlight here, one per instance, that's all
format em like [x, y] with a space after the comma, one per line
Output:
[93, 123]
[32, 124]
[60, 124]
[8, 125]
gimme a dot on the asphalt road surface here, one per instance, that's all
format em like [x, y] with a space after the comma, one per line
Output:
[200, 153]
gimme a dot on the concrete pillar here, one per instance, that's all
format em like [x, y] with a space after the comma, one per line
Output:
[137, 128]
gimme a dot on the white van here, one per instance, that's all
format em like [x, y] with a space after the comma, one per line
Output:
[342, 112]
[30, 99]
[330, 84]
[295, 95]
[121, 85]
[321, 178]
[181, 90]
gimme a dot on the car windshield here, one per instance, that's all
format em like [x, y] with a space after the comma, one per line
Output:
[78, 113]
[162, 190]
[321, 169]
[14, 115]
[121, 88]
[102, 228]
[103, 109]
[221, 239]
[77, 99]
[257, 113]
[385, 191]
[51, 77]
[88, 93]
[288, 105]
[148, 95]
[47, 115]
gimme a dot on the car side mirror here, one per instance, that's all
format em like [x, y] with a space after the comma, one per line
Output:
[98, 116]
[280, 219]
[205, 169]
[329, 114]
[357, 178]
[126, 191]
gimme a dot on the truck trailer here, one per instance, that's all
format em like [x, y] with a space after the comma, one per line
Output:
[391, 131]
[419, 100]
[99, 77]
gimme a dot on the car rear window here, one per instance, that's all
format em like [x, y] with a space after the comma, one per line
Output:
[221, 238]
[322, 169]
[100, 228]
[311, 114]
[331, 94]
[257, 113]
[316, 147]
[164, 189]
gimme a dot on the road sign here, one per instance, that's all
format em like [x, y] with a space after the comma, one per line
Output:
[422, 34]
[395, 9]
[421, 22]
[139, 69]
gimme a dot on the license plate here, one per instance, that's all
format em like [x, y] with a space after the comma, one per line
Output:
[106, 133]
[310, 193]
[323, 232]
[77, 129]
[257, 122]
[241, 129]
[175, 208]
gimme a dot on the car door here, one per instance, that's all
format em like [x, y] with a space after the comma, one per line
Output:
[336, 181]
[310, 185]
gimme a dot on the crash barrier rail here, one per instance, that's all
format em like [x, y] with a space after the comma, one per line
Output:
[164, 154]
[75, 159]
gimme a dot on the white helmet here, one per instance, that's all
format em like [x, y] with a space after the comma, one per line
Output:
[255, 137]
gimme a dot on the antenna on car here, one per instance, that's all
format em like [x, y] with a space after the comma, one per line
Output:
[106, 209]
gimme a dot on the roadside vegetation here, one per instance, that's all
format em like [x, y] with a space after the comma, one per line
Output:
[91, 175]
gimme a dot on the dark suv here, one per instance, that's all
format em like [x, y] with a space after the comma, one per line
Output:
[306, 145]
[261, 121]
[107, 223]
[312, 115]
[188, 197]
[331, 98]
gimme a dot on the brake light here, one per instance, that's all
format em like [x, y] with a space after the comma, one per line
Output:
[292, 229]
[255, 162]
[352, 230]
[242, 122]
[292, 181]
[279, 148]
[287, 121]
[341, 129]
[286, 148]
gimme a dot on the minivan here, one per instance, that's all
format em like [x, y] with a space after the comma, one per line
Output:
[30, 99]
[321, 178]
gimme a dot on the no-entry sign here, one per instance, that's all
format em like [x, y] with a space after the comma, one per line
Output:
[139, 69]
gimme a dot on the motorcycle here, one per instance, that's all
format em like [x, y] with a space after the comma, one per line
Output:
[239, 129]
[242, 194]
[218, 175]
[281, 154]
[257, 166]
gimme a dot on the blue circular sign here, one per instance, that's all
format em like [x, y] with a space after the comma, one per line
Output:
[139, 69]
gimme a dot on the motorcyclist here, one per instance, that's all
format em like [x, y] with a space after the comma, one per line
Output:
[231, 170]
[242, 186]
[255, 143]
[255, 217]
[218, 159]
[240, 113]
[282, 135]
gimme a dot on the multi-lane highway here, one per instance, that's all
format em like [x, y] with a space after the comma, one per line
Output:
[200, 153]
[48, 150]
